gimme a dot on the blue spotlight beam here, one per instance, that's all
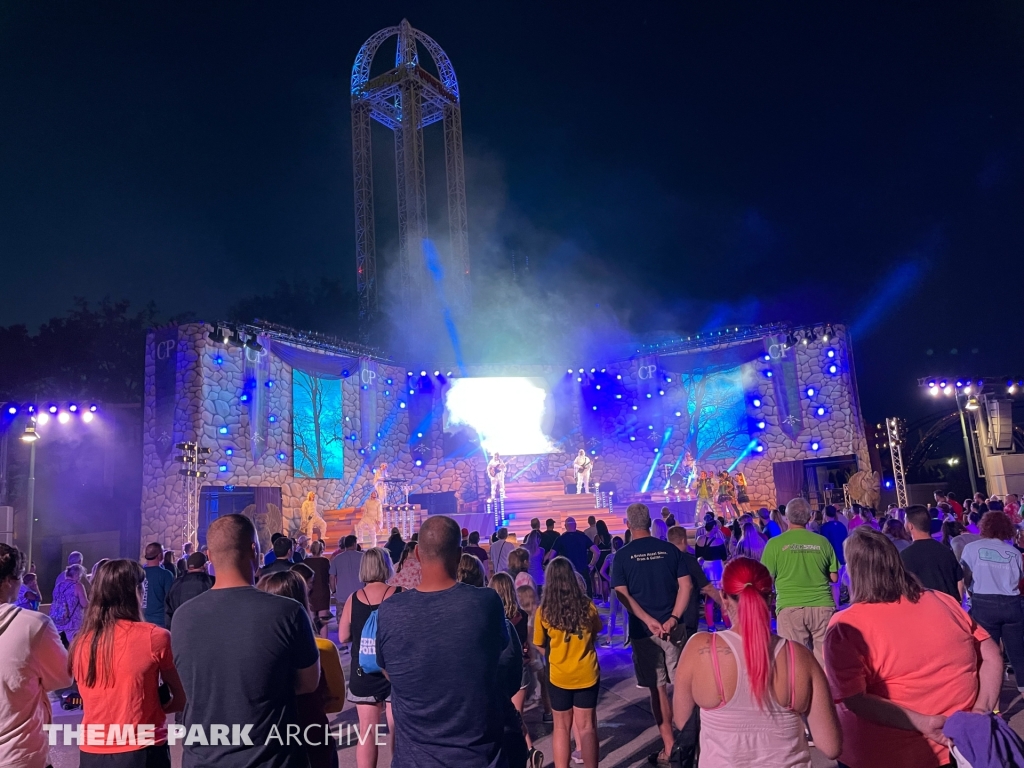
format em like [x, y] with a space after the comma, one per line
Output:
[657, 460]
[746, 452]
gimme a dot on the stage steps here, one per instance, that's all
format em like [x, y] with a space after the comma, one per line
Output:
[524, 501]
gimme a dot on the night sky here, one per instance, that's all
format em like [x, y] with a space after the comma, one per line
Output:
[701, 163]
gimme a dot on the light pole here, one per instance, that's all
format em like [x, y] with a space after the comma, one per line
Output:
[31, 437]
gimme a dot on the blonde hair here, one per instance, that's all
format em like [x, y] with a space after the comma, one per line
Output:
[375, 566]
[502, 584]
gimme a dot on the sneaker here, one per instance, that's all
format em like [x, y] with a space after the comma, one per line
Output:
[577, 757]
[658, 758]
[547, 717]
[535, 759]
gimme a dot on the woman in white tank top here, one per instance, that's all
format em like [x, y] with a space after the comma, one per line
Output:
[754, 688]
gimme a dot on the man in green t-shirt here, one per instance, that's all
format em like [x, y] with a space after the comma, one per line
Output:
[804, 567]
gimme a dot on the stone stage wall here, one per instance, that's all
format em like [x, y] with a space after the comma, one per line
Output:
[207, 382]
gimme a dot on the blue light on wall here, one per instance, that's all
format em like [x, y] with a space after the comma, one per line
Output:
[767, 358]
[757, 402]
[218, 360]
[821, 410]
[759, 448]
[833, 369]
[815, 446]
[223, 430]
[401, 405]
[810, 391]
[272, 418]
[768, 374]
[634, 407]
[269, 385]
[223, 468]
[229, 451]
[281, 457]
[760, 425]
[244, 398]
[831, 353]
[649, 395]
[594, 407]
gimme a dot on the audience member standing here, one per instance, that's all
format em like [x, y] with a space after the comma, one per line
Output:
[934, 565]
[32, 662]
[329, 697]
[195, 581]
[565, 628]
[653, 583]
[69, 601]
[29, 595]
[74, 558]
[284, 548]
[407, 573]
[550, 535]
[591, 529]
[181, 567]
[993, 570]
[370, 691]
[893, 703]
[473, 547]
[320, 590]
[576, 547]
[754, 688]
[345, 570]
[804, 567]
[500, 550]
[395, 546]
[119, 661]
[157, 585]
[243, 656]
[439, 646]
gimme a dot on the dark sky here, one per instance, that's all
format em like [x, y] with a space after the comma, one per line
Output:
[716, 162]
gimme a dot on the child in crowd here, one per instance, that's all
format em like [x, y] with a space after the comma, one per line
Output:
[614, 606]
[566, 626]
[520, 620]
[529, 601]
[28, 593]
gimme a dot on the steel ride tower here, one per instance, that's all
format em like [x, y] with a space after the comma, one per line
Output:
[406, 99]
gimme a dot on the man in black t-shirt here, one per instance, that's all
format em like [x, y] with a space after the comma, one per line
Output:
[931, 561]
[243, 656]
[550, 535]
[653, 583]
[440, 645]
[575, 547]
[701, 586]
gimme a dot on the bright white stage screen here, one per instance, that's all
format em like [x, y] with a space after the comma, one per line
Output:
[511, 415]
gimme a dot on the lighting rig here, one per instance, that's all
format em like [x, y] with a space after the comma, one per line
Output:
[192, 459]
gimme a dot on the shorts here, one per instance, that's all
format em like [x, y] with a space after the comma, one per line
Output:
[564, 699]
[367, 699]
[654, 661]
[153, 756]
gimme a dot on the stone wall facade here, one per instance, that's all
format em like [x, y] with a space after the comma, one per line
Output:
[209, 382]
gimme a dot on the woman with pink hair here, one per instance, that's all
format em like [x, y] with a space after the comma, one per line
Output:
[754, 689]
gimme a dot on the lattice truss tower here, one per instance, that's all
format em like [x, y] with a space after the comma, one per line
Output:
[406, 99]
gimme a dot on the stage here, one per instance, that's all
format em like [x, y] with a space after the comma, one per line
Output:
[284, 413]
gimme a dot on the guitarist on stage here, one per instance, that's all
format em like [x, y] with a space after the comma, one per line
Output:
[496, 471]
[581, 466]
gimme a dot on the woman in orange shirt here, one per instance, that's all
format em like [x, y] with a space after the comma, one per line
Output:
[119, 660]
[901, 659]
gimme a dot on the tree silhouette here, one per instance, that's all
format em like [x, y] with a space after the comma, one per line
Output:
[714, 419]
[317, 426]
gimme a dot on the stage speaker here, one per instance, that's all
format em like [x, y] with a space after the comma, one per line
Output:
[436, 503]
[1000, 425]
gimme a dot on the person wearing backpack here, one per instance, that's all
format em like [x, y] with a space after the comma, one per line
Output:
[368, 688]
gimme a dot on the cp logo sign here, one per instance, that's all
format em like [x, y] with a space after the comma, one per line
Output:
[777, 351]
[165, 348]
[646, 371]
[367, 376]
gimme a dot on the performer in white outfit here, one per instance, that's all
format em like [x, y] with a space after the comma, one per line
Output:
[311, 518]
[496, 471]
[379, 476]
[582, 465]
[370, 521]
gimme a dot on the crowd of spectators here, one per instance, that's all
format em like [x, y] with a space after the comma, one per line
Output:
[806, 619]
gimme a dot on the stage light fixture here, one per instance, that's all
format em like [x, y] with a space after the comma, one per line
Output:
[579, 378]
[30, 408]
[418, 434]
[223, 430]
[759, 448]
[967, 389]
[618, 376]
[43, 418]
[409, 373]
[767, 358]
[678, 414]
[972, 403]
[581, 370]
[757, 402]
[437, 373]
[73, 408]
[942, 384]
[821, 411]
[281, 457]
[618, 397]
[948, 390]
[64, 417]
[760, 425]
[768, 374]
[272, 419]
[649, 395]
[594, 407]
[833, 369]
[815, 446]
[88, 416]
[388, 381]
[401, 405]
[570, 370]
[934, 391]
[831, 353]
[597, 386]
[661, 392]
[244, 398]
[810, 391]
[252, 343]
[634, 407]
[412, 391]
[423, 373]
[650, 426]
[93, 408]
[12, 409]
[30, 435]
[959, 383]
[632, 438]
[52, 409]
[229, 451]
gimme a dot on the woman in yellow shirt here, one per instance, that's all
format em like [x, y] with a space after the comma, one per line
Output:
[565, 628]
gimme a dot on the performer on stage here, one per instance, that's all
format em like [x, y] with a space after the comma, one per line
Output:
[311, 519]
[742, 499]
[496, 469]
[379, 476]
[726, 495]
[582, 466]
[369, 523]
[704, 495]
